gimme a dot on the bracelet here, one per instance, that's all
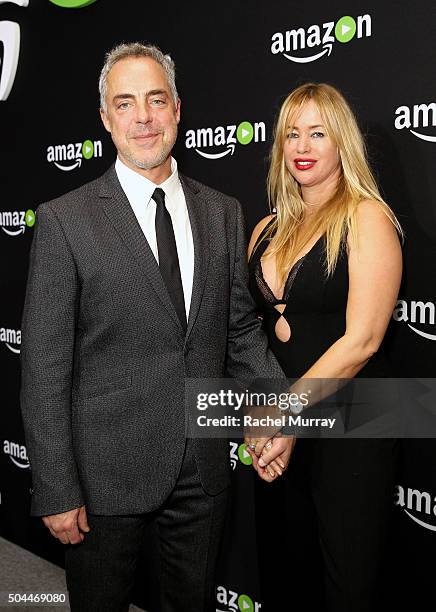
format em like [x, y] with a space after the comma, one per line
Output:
[297, 408]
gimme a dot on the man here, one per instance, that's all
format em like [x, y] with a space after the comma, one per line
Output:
[137, 280]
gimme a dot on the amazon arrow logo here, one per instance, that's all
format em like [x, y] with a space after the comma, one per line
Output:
[230, 601]
[68, 157]
[11, 337]
[17, 2]
[421, 503]
[72, 3]
[416, 314]
[14, 223]
[17, 454]
[10, 41]
[298, 44]
[238, 452]
[418, 116]
[224, 138]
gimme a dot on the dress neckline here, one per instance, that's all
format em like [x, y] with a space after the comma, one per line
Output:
[290, 277]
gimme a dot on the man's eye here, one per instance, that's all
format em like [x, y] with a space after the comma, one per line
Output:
[158, 102]
[124, 105]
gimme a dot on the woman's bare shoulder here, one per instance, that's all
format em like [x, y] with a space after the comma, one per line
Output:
[257, 232]
[374, 225]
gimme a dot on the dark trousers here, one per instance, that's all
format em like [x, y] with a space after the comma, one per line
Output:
[330, 518]
[101, 570]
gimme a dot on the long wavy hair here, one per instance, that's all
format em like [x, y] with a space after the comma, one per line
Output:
[336, 218]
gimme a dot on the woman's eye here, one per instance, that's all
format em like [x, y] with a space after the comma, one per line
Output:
[318, 134]
[293, 135]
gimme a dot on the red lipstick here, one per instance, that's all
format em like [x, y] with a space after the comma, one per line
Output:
[304, 163]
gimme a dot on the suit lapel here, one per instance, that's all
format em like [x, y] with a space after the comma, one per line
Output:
[198, 217]
[117, 208]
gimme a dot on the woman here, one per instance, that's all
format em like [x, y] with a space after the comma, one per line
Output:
[325, 272]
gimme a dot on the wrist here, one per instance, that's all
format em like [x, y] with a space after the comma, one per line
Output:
[296, 408]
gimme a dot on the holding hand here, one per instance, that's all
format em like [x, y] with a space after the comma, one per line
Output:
[68, 527]
[271, 457]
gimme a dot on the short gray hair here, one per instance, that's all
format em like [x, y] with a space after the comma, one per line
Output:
[136, 49]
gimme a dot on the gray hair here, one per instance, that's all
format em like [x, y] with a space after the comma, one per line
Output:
[136, 49]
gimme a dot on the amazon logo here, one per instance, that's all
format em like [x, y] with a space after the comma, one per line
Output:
[14, 223]
[239, 454]
[72, 3]
[419, 506]
[17, 453]
[304, 45]
[224, 139]
[11, 338]
[10, 47]
[68, 157]
[419, 317]
[416, 119]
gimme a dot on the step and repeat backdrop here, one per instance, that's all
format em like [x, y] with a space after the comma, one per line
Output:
[236, 61]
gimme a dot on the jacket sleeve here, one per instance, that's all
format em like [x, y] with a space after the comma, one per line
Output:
[48, 332]
[248, 356]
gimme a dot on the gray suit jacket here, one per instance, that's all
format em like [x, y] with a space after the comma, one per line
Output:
[103, 353]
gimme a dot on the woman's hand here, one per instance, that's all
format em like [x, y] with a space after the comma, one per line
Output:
[274, 456]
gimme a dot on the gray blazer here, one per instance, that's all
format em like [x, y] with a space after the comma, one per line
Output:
[103, 353]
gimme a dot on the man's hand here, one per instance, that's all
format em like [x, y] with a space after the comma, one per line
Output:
[275, 457]
[256, 446]
[257, 436]
[68, 527]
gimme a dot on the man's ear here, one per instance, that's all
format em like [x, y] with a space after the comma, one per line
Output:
[105, 120]
[178, 110]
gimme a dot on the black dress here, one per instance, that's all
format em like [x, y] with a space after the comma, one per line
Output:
[331, 510]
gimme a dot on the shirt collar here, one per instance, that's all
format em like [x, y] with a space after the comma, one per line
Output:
[140, 184]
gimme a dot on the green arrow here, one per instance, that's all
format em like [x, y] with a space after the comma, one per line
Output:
[30, 218]
[244, 457]
[72, 3]
[345, 29]
[245, 603]
[87, 149]
[245, 132]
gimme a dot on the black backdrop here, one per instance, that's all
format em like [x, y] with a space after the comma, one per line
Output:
[232, 68]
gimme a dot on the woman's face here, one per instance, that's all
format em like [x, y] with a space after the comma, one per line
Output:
[310, 154]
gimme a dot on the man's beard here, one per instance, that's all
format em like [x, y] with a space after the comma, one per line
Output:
[159, 158]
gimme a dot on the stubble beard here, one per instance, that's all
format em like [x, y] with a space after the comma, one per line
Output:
[159, 158]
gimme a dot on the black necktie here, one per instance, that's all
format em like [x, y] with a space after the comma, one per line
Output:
[168, 258]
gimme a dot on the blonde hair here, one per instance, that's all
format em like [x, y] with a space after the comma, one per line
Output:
[336, 218]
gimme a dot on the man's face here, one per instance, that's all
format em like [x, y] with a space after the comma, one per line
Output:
[141, 115]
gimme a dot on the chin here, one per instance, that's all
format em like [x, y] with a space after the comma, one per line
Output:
[301, 180]
[144, 162]
[307, 181]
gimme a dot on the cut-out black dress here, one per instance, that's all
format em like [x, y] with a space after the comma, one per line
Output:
[326, 521]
